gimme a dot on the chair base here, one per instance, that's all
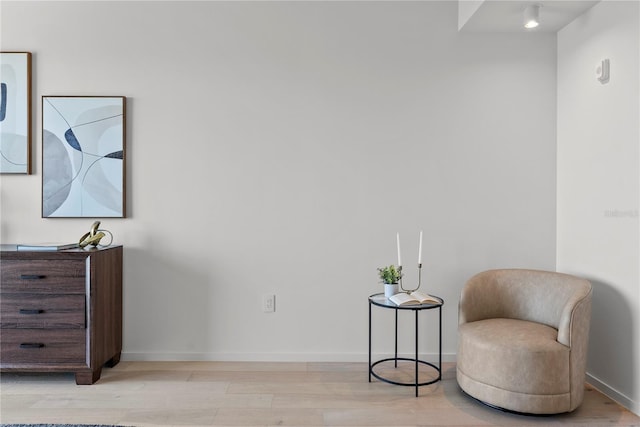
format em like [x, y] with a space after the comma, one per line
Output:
[509, 411]
[532, 404]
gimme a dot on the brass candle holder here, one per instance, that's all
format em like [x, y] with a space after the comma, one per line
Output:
[419, 279]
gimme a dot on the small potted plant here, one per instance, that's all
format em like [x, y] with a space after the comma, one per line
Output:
[390, 276]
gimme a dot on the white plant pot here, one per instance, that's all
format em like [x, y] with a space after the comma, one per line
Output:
[390, 290]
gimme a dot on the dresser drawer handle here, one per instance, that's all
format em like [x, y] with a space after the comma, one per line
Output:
[31, 345]
[32, 276]
[31, 311]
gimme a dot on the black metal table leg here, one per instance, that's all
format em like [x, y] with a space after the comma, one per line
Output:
[395, 354]
[370, 341]
[440, 343]
[416, 352]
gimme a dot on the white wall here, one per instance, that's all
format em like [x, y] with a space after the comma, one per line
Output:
[599, 188]
[277, 147]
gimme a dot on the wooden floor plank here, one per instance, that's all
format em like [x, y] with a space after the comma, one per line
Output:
[265, 394]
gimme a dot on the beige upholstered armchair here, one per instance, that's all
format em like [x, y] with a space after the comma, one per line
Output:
[522, 340]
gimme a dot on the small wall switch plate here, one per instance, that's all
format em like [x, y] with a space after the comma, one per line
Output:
[269, 303]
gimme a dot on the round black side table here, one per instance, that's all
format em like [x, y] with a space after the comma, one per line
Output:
[380, 300]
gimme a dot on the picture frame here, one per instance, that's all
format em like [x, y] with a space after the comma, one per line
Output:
[15, 112]
[83, 156]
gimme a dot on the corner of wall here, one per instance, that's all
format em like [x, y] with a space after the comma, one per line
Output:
[466, 9]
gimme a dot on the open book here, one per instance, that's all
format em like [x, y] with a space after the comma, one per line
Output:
[414, 298]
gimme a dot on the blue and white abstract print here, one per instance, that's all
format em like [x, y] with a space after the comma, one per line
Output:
[83, 144]
[15, 122]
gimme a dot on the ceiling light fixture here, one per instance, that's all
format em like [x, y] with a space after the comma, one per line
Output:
[532, 16]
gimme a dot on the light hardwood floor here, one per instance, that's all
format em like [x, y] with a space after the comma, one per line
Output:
[261, 394]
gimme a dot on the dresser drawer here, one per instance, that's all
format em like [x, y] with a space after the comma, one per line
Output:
[43, 276]
[39, 311]
[42, 346]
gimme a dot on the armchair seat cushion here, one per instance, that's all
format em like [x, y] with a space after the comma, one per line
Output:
[515, 355]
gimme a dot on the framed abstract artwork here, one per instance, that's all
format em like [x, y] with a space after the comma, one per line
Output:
[83, 156]
[15, 112]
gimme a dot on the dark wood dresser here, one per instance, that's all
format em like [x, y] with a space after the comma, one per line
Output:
[61, 311]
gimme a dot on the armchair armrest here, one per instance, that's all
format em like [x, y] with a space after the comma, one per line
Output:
[575, 320]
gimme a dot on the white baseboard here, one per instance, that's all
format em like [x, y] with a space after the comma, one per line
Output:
[270, 357]
[614, 394]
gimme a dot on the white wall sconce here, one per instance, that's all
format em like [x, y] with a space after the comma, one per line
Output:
[532, 16]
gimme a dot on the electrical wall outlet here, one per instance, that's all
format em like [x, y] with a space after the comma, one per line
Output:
[269, 303]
